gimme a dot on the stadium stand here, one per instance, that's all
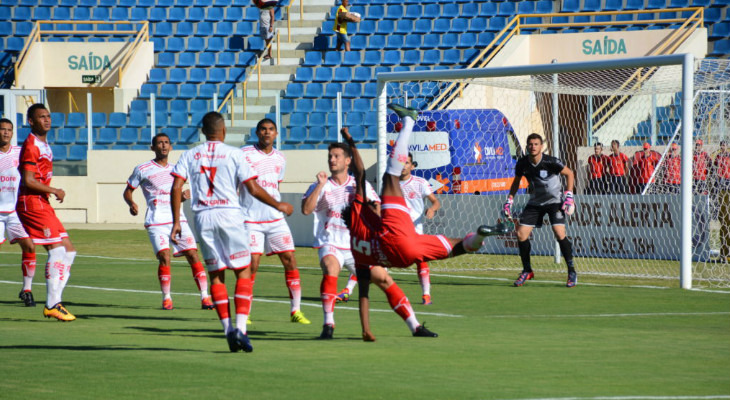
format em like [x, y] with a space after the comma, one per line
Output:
[201, 50]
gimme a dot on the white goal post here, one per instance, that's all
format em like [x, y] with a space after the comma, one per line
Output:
[586, 80]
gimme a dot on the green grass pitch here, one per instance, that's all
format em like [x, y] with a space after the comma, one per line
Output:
[539, 341]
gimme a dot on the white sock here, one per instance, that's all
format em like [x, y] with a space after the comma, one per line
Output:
[55, 276]
[473, 241]
[351, 283]
[329, 318]
[241, 320]
[399, 156]
[412, 322]
[68, 260]
[226, 322]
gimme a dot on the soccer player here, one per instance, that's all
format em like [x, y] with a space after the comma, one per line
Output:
[618, 167]
[215, 171]
[268, 230]
[36, 214]
[645, 162]
[389, 239]
[9, 182]
[543, 175]
[156, 182]
[596, 168]
[721, 168]
[326, 198]
[701, 163]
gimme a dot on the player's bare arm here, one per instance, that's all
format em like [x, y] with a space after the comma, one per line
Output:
[569, 178]
[259, 193]
[133, 209]
[358, 167]
[175, 201]
[435, 205]
[31, 183]
[310, 202]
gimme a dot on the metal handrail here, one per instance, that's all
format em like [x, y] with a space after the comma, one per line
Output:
[142, 37]
[514, 26]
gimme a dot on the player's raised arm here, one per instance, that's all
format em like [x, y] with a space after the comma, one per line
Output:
[259, 193]
[358, 167]
[309, 203]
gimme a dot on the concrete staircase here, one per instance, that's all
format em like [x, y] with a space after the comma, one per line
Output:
[274, 78]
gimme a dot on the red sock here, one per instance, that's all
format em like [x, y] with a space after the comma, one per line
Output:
[328, 291]
[220, 298]
[244, 296]
[28, 266]
[199, 275]
[398, 301]
[292, 282]
[163, 274]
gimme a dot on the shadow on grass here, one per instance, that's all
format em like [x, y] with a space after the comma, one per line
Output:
[98, 348]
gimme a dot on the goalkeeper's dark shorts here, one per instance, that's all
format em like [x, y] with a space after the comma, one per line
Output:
[533, 215]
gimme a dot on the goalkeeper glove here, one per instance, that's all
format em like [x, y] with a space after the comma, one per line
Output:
[507, 208]
[568, 203]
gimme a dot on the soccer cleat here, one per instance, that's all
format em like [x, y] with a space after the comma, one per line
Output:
[404, 111]
[427, 300]
[207, 303]
[232, 341]
[328, 332]
[59, 312]
[167, 304]
[572, 279]
[493, 230]
[421, 331]
[524, 277]
[243, 341]
[299, 317]
[343, 296]
[27, 298]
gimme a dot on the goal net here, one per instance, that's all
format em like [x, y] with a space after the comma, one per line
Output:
[614, 127]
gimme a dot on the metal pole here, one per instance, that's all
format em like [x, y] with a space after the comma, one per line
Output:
[153, 126]
[590, 120]
[556, 144]
[653, 118]
[685, 277]
[278, 119]
[215, 101]
[382, 156]
[339, 116]
[89, 127]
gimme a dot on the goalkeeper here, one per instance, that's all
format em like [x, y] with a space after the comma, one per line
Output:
[546, 197]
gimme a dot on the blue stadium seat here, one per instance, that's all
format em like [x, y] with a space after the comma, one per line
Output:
[137, 119]
[431, 12]
[234, 14]
[304, 74]
[246, 59]
[634, 5]
[128, 136]
[467, 40]
[342, 74]
[449, 41]
[294, 90]
[413, 11]
[431, 57]
[371, 58]
[199, 105]
[423, 26]
[217, 75]
[162, 29]
[331, 90]
[312, 59]
[394, 42]
[297, 134]
[357, 133]
[395, 11]
[58, 119]
[352, 90]
[158, 14]
[168, 91]
[23, 13]
[355, 118]
[186, 60]
[323, 74]
[76, 120]
[224, 29]
[217, 44]
[178, 119]
[98, 119]
[362, 74]
[184, 29]
[204, 28]
[352, 59]
[177, 75]
[137, 14]
[107, 136]
[214, 14]
[314, 90]
[316, 134]
[41, 13]
[206, 59]
[366, 27]
[317, 119]
[452, 56]
[431, 41]
[385, 27]
[459, 25]
[252, 14]
[304, 105]
[65, 136]
[190, 91]
[441, 26]
[391, 57]
[412, 42]
[332, 59]
[60, 153]
[14, 44]
[189, 135]
[177, 14]
[195, 14]
[721, 48]
[484, 39]
[496, 24]
[244, 28]
[286, 106]
[469, 10]
[720, 30]
[376, 12]
[450, 10]
[508, 9]
[370, 90]
[376, 42]
[489, 9]
[478, 25]
[411, 57]
[77, 153]
[236, 74]
[324, 105]
[158, 75]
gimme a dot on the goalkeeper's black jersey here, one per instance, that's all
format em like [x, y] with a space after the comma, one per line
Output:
[543, 177]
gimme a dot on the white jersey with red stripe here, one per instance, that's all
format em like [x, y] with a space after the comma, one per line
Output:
[329, 227]
[415, 189]
[156, 183]
[9, 179]
[215, 171]
[270, 170]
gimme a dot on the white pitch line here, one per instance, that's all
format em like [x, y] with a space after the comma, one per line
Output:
[623, 315]
[257, 299]
[635, 398]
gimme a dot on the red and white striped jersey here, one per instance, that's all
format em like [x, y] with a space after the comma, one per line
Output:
[270, 170]
[156, 183]
[415, 189]
[215, 171]
[9, 179]
[329, 227]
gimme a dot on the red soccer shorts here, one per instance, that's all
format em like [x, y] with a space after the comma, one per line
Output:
[402, 244]
[40, 220]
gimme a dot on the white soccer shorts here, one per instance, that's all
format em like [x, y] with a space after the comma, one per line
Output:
[419, 229]
[273, 237]
[160, 238]
[344, 257]
[223, 239]
[11, 223]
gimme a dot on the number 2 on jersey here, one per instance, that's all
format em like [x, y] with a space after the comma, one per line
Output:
[210, 176]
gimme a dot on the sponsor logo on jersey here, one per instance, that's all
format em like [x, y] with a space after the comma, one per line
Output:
[240, 254]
